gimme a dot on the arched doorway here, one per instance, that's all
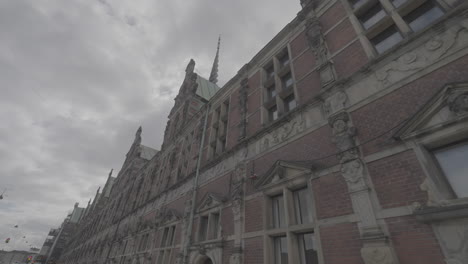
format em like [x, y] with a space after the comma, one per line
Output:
[208, 261]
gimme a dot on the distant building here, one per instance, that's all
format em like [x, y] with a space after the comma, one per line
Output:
[344, 140]
[16, 257]
[57, 238]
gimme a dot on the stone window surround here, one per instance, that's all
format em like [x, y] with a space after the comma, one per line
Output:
[209, 213]
[168, 249]
[442, 192]
[218, 119]
[394, 16]
[290, 230]
[281, 94]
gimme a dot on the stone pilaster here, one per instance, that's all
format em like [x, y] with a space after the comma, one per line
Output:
[376, 248]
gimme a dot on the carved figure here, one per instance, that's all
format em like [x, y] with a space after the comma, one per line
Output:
[458, 103]
[316, 40]
[377, 255]
[343, 137]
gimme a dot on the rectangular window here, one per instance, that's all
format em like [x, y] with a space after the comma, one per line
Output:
[164, 237]
[372, 16]
[271, 92]
[284, 59]
[308, 249]
[386, 39]
[278, 211]
[273, 113]
[287, 81]
[302, 206]
[270, 71]
[203, 228]
[423, 15]
[290, 103]
[281, 250]
[214, 224]
[170, 236]
[453, 162]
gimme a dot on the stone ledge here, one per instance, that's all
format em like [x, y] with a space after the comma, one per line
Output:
[430, 214]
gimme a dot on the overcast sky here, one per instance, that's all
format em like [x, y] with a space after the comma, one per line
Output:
[78, 77]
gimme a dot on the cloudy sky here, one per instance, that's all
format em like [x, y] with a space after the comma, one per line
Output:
[78, 77]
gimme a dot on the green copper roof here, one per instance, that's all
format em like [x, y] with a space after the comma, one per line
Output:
[206, 89]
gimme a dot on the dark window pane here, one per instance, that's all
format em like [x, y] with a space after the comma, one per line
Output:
[308, 249]
[271, 92]
[453, 161]
[270, 71]
[214, 226]
[302, 206]
[290, 103]
[387, 39]
[424, 15]
[398, 3]
[284, 60]
[372, 16]
[278, 211]
[287, 80]
[281, 250]
[171, 236]
[164, 238]
[203, 228]
[273, 113]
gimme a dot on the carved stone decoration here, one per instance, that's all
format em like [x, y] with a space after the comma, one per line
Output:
[378, 255]
[428, 54]
[458, 103]
[353, 172]
[243, 108]
[235, 258]
[316, 40]
[433, 196]
[453, 237]
[343, 136]
[335, 103]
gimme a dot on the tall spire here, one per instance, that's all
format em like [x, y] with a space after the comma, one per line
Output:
[214, 70]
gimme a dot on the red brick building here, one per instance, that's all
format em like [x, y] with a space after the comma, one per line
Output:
[344, 140]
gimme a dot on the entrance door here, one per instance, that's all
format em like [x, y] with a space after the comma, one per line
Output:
[208, 261]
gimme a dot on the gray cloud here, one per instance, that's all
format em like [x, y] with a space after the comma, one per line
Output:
[78, 77]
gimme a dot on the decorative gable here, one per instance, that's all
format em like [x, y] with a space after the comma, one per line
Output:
[169, 216]
[210, 200]
[447, 107]
[283, 171]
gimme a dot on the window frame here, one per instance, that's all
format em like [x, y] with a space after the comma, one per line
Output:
[425, 145]
[394, 17]
[292, 229]
[275, 81]
[209, 214]
[165, 250]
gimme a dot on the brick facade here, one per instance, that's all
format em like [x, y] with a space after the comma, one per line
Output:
[357, 137]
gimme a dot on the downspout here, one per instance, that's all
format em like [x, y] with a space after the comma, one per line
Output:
[195, 189]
